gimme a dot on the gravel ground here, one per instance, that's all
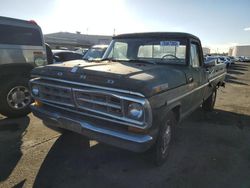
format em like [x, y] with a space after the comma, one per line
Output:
[210, 150]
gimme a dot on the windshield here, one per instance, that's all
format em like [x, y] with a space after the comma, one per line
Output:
[94, 53]
[151, 50]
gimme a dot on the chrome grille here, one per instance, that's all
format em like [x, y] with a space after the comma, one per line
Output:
[90, 100]
[56, 94]
[99, 102]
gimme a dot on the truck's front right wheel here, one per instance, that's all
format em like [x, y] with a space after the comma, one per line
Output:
[160, 150]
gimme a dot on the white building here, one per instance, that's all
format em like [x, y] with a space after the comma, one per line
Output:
[205, 50]
[237, 51]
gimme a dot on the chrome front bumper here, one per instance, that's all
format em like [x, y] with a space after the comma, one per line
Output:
[130, 141]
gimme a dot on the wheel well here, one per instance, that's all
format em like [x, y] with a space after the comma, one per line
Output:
[176, 111]
[15, 70]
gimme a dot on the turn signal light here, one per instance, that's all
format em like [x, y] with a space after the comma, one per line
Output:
[38, 103]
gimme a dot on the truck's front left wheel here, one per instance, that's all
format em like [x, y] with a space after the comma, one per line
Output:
[15, 98]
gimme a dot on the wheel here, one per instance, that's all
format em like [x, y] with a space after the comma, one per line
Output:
[208, 105]
[15, 98]
[160, 150]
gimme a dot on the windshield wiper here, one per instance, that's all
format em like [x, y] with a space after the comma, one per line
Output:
[128, 60]
[107, 59]
[141, 61]
[110, 59]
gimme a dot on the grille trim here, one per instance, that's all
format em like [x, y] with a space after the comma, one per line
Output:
[86, 85]
[145, 123]
[122, 99]
[43, 93]
[99, 103]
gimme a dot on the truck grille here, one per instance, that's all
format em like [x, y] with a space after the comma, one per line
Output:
[99, 102]
[56, 94]
[87, 100]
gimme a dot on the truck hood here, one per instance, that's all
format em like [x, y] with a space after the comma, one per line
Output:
[138, 77]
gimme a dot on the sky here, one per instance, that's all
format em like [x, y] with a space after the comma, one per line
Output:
[219, 24]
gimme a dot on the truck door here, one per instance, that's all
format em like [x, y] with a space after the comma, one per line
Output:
[198, 75]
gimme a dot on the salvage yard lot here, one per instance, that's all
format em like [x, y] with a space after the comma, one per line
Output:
[210, 150]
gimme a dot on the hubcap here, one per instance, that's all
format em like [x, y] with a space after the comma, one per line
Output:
[18, 97]
[166, 138]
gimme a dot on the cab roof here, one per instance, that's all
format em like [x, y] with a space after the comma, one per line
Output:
[157, 35]
[19, 22]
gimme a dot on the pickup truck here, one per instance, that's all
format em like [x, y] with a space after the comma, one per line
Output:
[135, 96]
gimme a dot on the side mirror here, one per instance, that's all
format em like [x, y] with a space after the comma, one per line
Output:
[210, 63]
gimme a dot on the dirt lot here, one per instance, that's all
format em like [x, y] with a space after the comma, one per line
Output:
[211, 150]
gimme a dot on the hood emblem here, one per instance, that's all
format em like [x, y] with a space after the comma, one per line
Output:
[74, 69]
[59, 73]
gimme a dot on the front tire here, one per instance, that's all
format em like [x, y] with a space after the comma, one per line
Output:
[15, 97]
[163, 143]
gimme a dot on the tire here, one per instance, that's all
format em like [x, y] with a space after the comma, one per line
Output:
[15, 98]
[208, 105]
[160, 150]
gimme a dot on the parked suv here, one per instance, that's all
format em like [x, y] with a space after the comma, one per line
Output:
[21, 49]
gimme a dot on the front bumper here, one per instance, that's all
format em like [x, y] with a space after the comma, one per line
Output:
[130, 141]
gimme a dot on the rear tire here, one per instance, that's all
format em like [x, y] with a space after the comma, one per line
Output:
[15, 97]
[160, 150]
[208, 105]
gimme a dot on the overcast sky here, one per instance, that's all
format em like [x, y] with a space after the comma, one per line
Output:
[218, 23]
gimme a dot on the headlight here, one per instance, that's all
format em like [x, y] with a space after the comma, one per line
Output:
[35, 90]
[39, 61]
[135, 110]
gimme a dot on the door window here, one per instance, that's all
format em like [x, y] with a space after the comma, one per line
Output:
[194, 55]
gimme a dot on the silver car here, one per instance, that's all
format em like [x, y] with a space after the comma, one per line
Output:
[21, 49]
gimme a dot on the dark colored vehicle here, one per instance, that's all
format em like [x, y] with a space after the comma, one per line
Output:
[218, 65]
[233, 59]
[60, 56]
[134, 98]
[226, 60]
[95, 53]
[81, 51]
[21, 49]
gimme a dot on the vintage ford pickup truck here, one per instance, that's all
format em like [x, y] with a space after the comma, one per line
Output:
[135, 96]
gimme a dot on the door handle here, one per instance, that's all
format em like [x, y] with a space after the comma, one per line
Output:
[190, 79]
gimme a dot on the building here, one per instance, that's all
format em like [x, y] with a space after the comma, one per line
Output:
[205, 50]
[238, 51]
[75, 40]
